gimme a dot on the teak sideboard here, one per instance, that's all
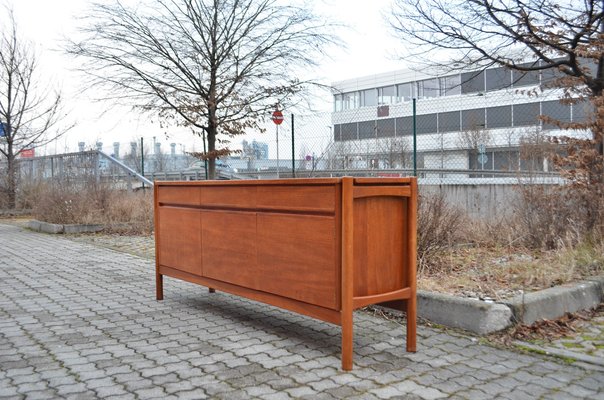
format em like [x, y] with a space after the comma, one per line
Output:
[319, 247]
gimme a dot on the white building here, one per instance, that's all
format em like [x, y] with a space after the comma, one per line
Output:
[473, 120]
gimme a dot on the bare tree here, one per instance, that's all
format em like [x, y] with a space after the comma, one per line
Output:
[560, 39]
[396, 152]
[563, 37]
[472, 139]
[217, 65]
[30, 112]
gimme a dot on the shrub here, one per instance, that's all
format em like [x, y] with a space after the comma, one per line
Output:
[65, 202]
[438, 226]
[551, 216]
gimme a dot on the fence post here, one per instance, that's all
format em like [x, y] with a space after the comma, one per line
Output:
[414, 138]
[96, 168]
[293, 150]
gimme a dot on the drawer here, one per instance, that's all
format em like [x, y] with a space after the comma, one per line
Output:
[297, 198]
[235, 196]
[178, 195]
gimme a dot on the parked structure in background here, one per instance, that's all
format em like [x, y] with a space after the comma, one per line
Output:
[471, 120]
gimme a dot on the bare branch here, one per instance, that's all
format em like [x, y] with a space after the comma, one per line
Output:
[218, 65]
[30, 112]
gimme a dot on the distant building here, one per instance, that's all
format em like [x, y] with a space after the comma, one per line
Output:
[466, 120]
[255, 150]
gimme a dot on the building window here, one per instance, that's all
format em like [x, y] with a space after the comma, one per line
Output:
[387, 95]
[428, 88]
[526, 114]
[472, 82]
[337, 102]
[385, 127]
[336, 133]
[499, 117]
[404, 126]
[472, 119]
[505, 160]
[366, 129]
[551, 75]
[450, 85]
[426, 123]
[449, 121]
[491, 160]
[349, 131]
[350, 101]
[498, 78]
[368, 98]
[581, 111]
[529, 78]
[405, 92]
[556, 111]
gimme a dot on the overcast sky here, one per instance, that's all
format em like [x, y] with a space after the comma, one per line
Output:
[369, 50]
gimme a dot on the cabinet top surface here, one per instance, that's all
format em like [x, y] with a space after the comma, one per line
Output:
[298, 181]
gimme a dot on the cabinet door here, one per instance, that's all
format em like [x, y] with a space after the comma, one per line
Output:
[180, 239]
[229, 247]
[297, 257]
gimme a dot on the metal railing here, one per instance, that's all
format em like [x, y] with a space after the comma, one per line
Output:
[92, 164]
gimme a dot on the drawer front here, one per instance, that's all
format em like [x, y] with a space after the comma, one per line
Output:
[178, 195]
[298, 198]
[234, 196]
[180, 239]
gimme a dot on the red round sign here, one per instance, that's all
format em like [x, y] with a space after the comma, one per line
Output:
[277, 117]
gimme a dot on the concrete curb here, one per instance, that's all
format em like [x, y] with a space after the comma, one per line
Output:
[555, 302]
[46, 227]
[482, 317]
[82, 228]
[457, 312]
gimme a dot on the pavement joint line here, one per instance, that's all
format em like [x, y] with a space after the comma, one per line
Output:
[563, 354]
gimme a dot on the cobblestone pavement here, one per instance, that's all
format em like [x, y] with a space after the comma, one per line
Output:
[587, 340]
[80, 321]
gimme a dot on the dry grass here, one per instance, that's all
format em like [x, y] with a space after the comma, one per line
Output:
[502, 272]
[93, 203]
[535, 247]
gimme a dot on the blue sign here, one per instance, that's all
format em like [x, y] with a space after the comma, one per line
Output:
[483, 158]
[2, 133]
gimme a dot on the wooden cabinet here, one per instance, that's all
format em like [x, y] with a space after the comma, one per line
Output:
[319, 247]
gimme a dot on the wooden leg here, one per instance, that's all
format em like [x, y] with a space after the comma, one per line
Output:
[211, 290]
[412, 324]
[159, 286]
[347, 340]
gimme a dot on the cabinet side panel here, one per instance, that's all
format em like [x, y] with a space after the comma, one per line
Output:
[296, 257]
[379, 259]
[180, 233]
[229, 247]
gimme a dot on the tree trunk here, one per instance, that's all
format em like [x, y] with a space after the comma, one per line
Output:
[11, 181]
[211, 149]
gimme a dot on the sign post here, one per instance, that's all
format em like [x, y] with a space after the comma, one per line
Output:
[277, 119]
